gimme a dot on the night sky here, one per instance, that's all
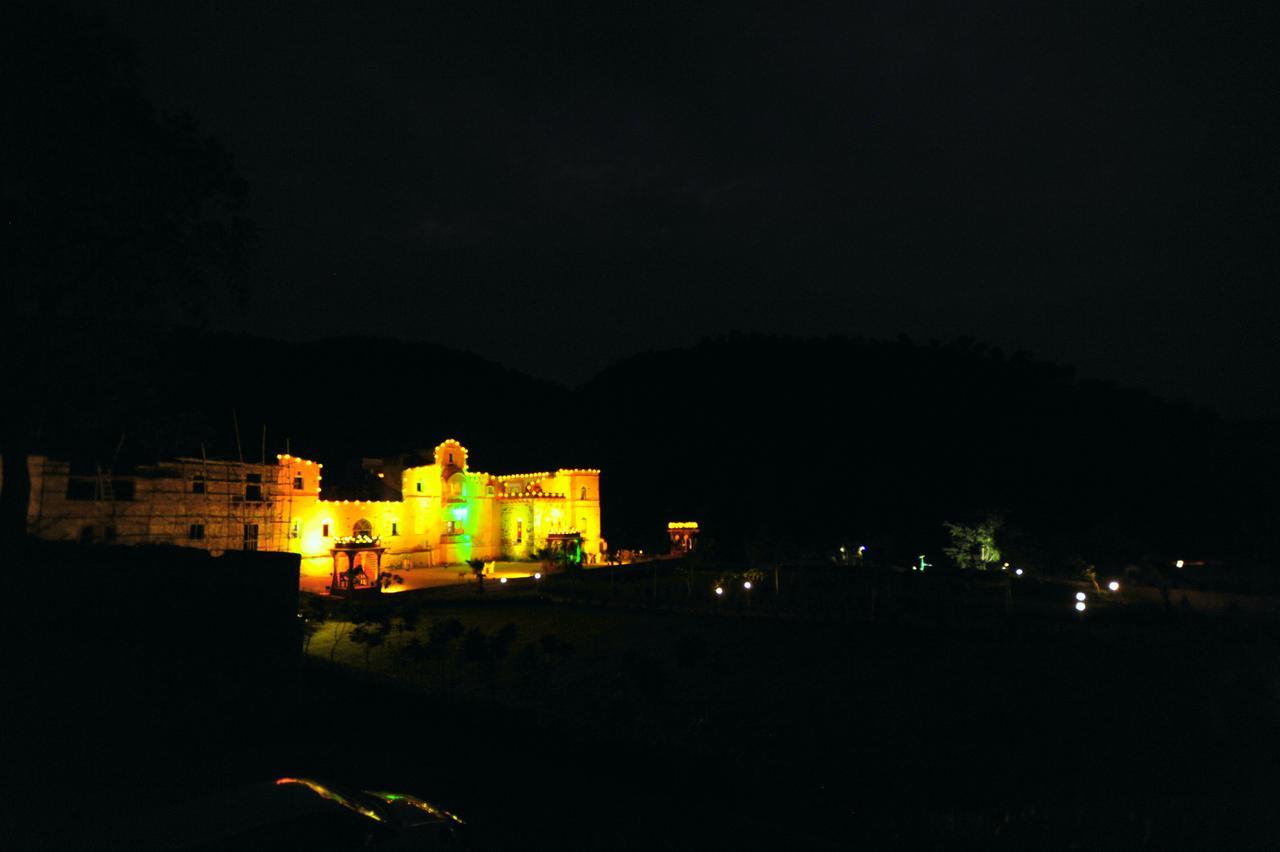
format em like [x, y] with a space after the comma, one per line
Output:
[557, 189]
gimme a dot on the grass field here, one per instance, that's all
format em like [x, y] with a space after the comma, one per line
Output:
[821, 711]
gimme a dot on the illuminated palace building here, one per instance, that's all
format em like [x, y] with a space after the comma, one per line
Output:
[441, 513]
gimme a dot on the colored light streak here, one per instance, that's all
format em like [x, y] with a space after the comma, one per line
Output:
[413, 801]
[326, 793]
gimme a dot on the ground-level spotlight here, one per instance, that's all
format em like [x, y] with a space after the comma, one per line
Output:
[1018, 571]
[537, 575]
[1081, 606]
[746, 584]
[719, 590]
[502, 579]
[1113, 586]
[1079, 596]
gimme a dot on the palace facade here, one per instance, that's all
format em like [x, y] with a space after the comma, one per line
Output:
[439, 513]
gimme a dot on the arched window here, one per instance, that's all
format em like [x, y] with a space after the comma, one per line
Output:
[362, 527]
[584, 493]
[457, 485]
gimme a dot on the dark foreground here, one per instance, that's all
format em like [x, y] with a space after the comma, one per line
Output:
[788, 734]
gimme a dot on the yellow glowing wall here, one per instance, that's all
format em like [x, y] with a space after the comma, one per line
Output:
[491, 516]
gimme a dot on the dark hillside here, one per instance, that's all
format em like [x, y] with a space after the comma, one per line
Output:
[769, 442]
[332, 400]
[809, 442]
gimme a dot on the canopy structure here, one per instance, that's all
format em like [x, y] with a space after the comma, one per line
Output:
[684, 536]
[363, 564]
[568, 543]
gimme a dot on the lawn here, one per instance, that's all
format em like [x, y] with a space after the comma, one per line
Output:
[821, 711]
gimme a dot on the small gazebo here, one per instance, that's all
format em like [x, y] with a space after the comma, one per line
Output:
[684, 536]
[363, 563]
[566, 546]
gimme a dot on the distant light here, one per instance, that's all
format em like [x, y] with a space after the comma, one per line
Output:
[746, 584]
[719, 590]
[1079, 596]
[862, 548]
[537, 575]
[1018, 571]
[1113, 586]
[502, 580]
[842, 549]
[1004, 567]
[1179, 564]
[1080, 606]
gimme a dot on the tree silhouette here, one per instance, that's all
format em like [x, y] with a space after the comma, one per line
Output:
[117, 217]
[477, 568]
[371, 632]
[313, 615]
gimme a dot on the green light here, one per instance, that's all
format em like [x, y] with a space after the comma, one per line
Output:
[421, 805]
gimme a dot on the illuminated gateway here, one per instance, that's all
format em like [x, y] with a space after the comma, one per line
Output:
[442, 513]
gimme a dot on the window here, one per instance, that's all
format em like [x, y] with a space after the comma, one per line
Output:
[419, 486]
[489, 491]
[451, 528]
[325, 531]
[295, 528]
[250, 536]
[362, 527]
[395, 528]
[82, 489]
[253, 487]
[90, 534]
[457, 485]
[519, 530]
[196, 532]
[297, 480]
[123, 489]
[450, 458]
[197, 484]
[584, 493]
